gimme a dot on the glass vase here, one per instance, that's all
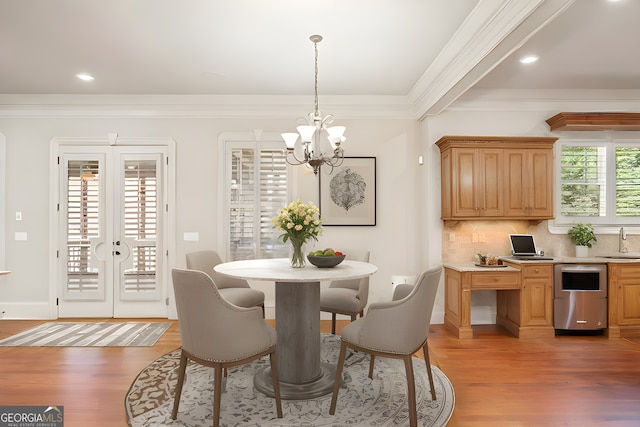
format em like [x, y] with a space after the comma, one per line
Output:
[298, 259]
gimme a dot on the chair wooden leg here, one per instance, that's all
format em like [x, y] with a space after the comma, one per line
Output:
[425, 350]
[371, 363]
[263, 313]
[276, 383]
[411, 391]
[353, 317]
[333, 323]
[361, 313]
[181, 373]
[336, 386]
[217, 394]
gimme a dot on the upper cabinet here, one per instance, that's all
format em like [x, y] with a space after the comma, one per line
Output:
[487, 177]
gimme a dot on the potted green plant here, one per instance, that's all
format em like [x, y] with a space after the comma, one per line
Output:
[583, 236]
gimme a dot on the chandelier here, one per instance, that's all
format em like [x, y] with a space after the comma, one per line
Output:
[311, 129]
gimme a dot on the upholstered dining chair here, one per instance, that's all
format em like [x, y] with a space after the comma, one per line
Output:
[236, 291]
[218, 334]
[348, 297]
[395, 329]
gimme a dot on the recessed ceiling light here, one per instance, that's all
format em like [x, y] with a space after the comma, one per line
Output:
[85, 77]
[529, 59]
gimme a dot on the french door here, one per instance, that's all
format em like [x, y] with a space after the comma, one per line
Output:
[112, 237]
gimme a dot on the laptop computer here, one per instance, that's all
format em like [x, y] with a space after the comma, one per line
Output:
[523, 246]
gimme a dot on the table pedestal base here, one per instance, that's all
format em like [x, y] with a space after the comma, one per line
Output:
[298, 391]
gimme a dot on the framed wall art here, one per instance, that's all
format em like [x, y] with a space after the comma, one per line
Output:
[348, 195]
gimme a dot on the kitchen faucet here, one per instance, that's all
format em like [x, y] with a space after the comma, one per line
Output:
[622, 241]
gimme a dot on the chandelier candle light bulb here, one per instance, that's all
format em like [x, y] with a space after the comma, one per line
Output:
[310, 130]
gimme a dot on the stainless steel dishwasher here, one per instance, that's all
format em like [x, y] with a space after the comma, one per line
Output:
[580, 297]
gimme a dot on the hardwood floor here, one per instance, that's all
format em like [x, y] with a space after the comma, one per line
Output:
[498, 379]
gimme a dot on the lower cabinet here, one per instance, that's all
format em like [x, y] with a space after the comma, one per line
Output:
[524, 299]
[528, 312]
[624, 300]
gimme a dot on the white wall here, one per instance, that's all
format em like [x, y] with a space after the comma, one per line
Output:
[408, 235]
[393, 242]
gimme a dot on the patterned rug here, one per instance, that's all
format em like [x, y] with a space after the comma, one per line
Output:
[361, 402]
[89, 334]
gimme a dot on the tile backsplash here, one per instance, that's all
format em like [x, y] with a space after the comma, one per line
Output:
[462, 240]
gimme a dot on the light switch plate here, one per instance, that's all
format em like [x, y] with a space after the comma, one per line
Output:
[192, 236]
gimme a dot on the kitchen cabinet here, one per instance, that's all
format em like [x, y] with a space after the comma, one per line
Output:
[529, 183]
[457, 294]
[476, 182]
[624, 299]
[528, 312]
[486, 177]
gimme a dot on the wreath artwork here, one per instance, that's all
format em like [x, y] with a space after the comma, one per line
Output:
[347, 189]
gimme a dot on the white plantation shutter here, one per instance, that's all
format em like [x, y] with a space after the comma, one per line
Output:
[141, 223]
[257, 188]
[83, 181]
[273, 196]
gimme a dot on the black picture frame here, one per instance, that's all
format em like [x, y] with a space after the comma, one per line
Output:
[348, 194]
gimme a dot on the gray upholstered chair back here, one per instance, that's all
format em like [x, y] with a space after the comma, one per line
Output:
[360, 285]
[207, 320]
[400, 326]
[205, 261]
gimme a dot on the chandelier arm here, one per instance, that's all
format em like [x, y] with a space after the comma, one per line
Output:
[298, 162]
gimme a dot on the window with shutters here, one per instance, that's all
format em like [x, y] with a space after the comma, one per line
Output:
[599, 183]
[256, 182]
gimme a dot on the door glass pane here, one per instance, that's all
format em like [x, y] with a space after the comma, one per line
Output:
[141, 211]
[83, 224]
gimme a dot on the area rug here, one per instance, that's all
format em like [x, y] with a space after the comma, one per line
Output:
[361, 402]
[89, 334]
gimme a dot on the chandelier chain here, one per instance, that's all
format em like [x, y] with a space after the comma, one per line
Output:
[315, 45]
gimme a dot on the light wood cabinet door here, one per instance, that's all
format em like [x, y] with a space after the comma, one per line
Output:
[529, 183]
[537, 296]
[477, 182]
[624, 295]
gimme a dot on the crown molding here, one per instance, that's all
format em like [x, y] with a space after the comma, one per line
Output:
[548, 100]
[201, 106]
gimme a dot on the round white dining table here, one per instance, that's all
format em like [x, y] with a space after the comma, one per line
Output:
[302, 375]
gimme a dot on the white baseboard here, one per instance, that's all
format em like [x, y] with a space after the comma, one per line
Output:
[25, 311]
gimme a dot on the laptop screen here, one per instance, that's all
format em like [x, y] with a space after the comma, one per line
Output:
[522, 244]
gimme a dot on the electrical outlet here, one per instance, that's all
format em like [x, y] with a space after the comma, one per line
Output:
[452, 237]
[474, 237]
[481, 238]
[18, 216]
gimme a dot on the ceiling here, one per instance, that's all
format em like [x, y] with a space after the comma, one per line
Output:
[427, 52]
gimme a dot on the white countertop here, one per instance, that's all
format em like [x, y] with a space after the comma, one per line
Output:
[280, 270]
[596, 259]
[471, 266]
